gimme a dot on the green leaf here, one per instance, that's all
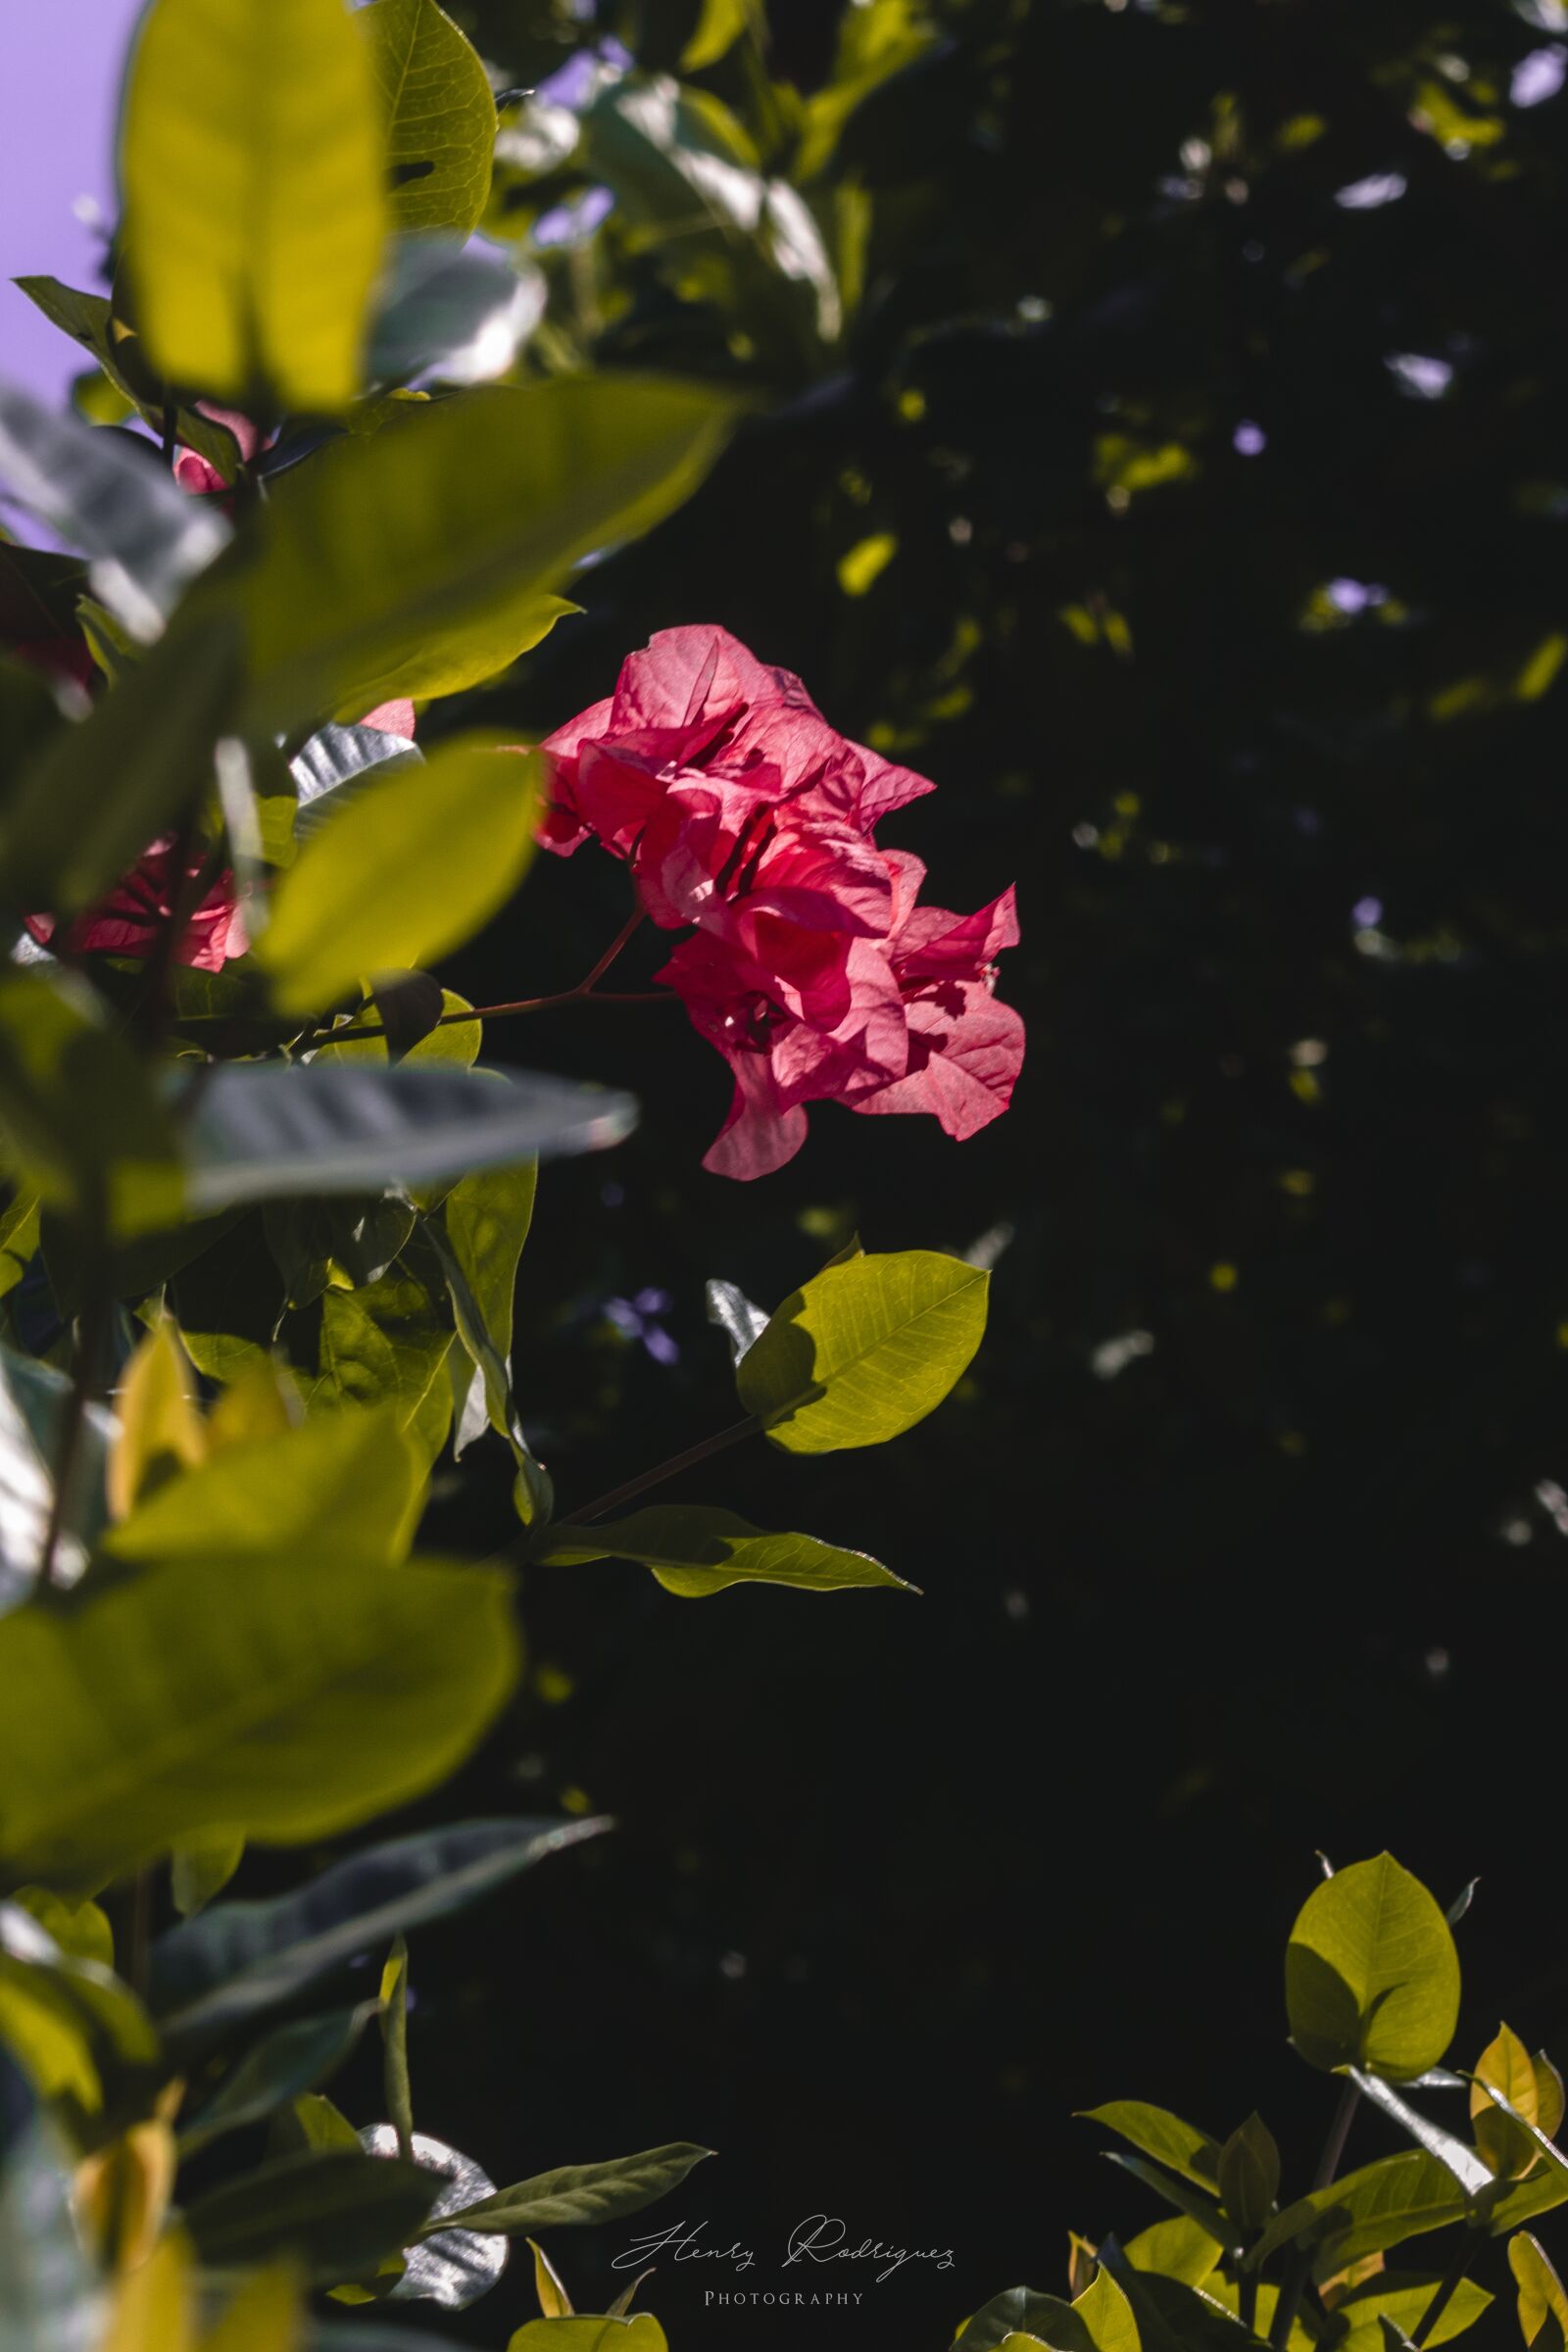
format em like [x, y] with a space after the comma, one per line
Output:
[1178, 2248]
[1507, 2066]
[439, 111]
[79, 1928]
[63, 838]
[242, 1957]
[1542, 2301]
[258, 1131]
[290, 1700]
[1403, 2296]
[331, 2214]
[382, 1345]
[200, 1868]
[394, 2044]
[864, 1350]
[1368, 2210]
[1503, 2205]
[693, 1552]
[1107, 2315]
[89, 320]
[640, 2333]
[251, 160]
[76, 1115]
[346, 1479]
[147, 540]
[1164, 2136]
[1249, 2173]
[419, 560]
[1204, 2210]
[486, 1221]
[1371, 1974]
[319, 2124]
[589, 2194]
[719, 27]
[284, 2065]
[1033, 2318]
[406, 871]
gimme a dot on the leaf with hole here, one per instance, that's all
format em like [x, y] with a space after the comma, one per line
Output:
[439, 111]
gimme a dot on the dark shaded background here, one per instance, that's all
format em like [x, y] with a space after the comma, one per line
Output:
[1264, 724]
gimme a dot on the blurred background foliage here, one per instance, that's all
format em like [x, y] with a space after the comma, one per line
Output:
[1158, 440]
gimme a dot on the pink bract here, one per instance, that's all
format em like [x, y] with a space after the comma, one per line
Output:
[127, 922]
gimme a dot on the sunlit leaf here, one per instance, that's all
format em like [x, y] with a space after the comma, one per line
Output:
[1371, 1973]
[439, 113]
[693, 1550]
[318, 1693]
[251, 159]
[407, 870]
[421, 559]
[587, 2193]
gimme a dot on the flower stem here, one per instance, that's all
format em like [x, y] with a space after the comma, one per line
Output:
[661, 1471]
[1295, 2281]
[584, 992]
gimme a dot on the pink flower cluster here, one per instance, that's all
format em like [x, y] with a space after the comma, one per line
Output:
[811, 965]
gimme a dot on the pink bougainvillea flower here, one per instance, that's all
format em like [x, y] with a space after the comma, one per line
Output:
[198, 474]
[695, 706]
[836, 1021]
[130, 920]
[813, 967]
[965, 1049]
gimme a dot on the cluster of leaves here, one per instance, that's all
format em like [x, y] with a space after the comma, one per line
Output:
[1372, 1994]
[262, 1224]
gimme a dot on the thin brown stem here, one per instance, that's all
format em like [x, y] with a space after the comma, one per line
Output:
[663, 1470]
[585, 993]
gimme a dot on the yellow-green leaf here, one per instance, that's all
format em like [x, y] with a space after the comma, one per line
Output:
[440, 114]
[864, 1350]
[253, 171]
[1541, 2293]
[407, 870]
[419, 559]
[1371, 1974]
[290, 1699]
